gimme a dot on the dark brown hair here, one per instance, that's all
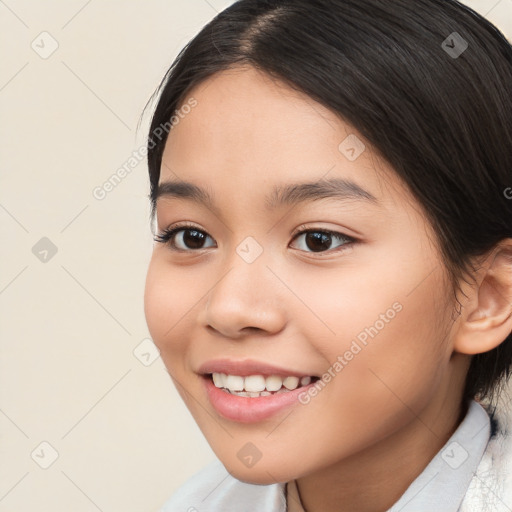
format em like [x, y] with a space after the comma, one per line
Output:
[427, 82]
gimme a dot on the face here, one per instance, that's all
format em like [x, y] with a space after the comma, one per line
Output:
[347, 288]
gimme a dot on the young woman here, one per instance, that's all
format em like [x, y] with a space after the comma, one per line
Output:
[331, 283]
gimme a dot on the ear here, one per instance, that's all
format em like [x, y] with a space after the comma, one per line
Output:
[486, 315]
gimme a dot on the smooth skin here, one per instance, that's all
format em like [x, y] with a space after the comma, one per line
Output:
[364, 438]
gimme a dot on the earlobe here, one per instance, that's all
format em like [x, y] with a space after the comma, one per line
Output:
[486, 316]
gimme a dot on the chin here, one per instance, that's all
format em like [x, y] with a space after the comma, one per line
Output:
[259, 474]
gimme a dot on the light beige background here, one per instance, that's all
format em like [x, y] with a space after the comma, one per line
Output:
[77, 372]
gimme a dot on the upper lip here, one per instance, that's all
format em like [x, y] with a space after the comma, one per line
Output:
[247, 367]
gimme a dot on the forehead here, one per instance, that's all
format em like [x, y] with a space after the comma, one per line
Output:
[251, 132]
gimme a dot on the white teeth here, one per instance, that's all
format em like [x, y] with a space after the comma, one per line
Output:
[218, 379]
[273, 383]
[254, 383]
[234, 383]
[258, 385]
[291, 382]
[252, 394]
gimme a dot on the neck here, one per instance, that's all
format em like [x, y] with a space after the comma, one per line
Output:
[373, 480]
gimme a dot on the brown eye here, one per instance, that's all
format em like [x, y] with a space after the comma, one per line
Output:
[183, 238]
[191, 238]
[316, 240]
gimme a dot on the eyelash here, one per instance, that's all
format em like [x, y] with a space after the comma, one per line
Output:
[166, 237]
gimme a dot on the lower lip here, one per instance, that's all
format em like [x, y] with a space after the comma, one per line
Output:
[250, 410]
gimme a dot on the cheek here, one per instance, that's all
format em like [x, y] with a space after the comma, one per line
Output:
[167, 303]
[386, 341]
[394, 362]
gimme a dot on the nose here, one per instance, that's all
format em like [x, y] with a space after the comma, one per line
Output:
[246, 298]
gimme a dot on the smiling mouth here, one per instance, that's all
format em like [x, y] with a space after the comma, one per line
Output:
[258, 385]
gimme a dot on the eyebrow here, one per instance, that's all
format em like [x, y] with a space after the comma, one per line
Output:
[281, 195]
